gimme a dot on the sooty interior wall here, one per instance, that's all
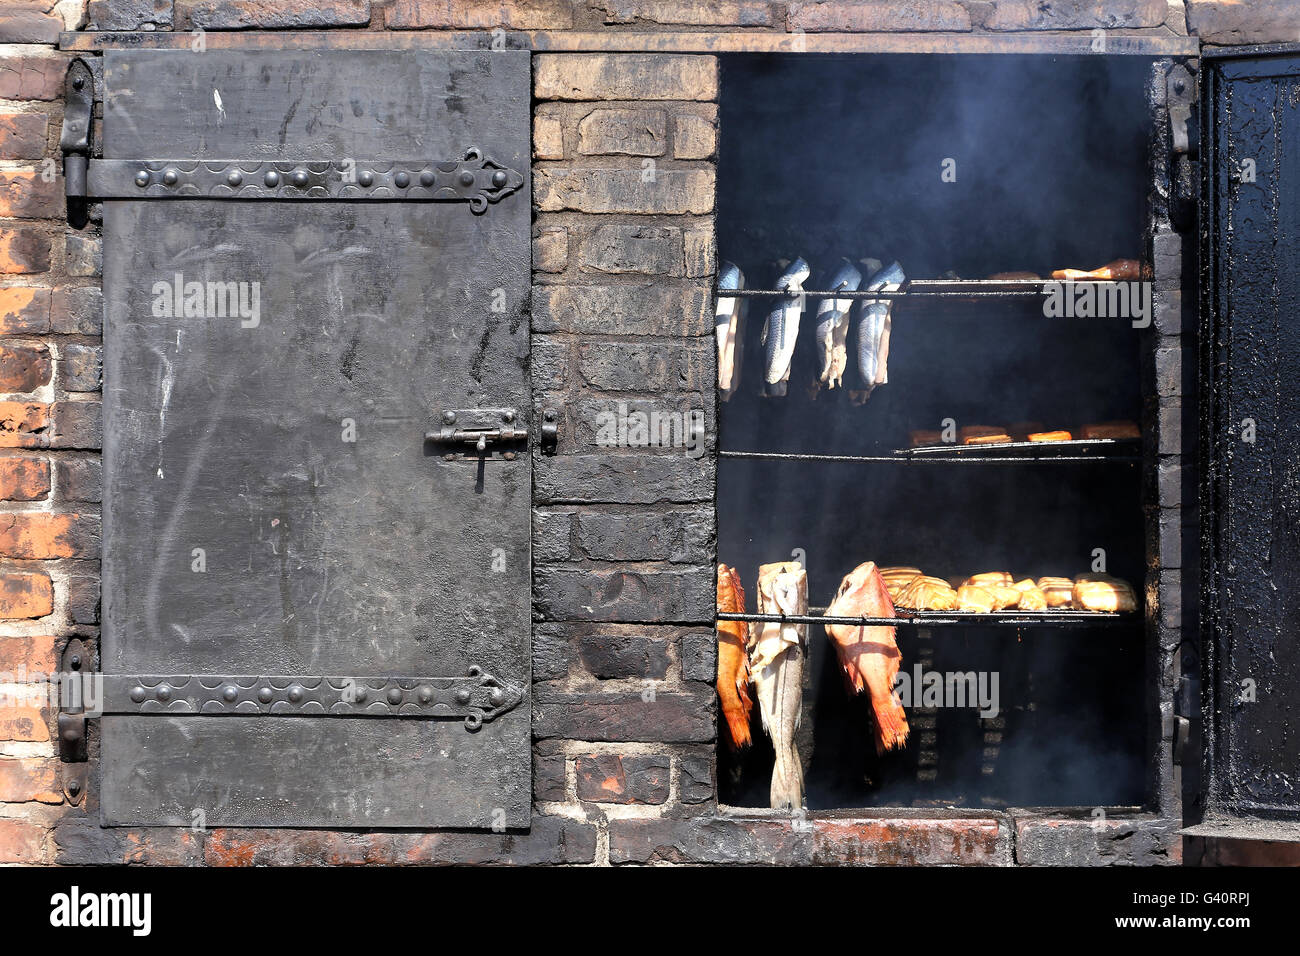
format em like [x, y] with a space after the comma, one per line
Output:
[828, 157]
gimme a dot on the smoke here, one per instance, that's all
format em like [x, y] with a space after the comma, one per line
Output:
[830, 157]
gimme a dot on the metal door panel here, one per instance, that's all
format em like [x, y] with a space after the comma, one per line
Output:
[1252, 497]
[271, 504]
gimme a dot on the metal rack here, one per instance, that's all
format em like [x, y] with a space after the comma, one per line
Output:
[950, 289]
[1122, 450]
[1054, 618]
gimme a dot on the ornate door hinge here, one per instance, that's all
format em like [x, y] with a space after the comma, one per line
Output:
[476, 179]
[477, 698]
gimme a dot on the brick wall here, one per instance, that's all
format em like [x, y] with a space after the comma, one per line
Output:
[623, 537]
[50, 308]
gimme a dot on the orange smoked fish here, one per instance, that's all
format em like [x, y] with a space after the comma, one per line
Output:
[869, 656]
[733, 662]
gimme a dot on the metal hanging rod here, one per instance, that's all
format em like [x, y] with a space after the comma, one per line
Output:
[903, 457]
[897, 294]
[946, 619]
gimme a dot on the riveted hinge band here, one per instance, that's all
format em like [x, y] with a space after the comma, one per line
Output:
[477, 698]
[476, 179]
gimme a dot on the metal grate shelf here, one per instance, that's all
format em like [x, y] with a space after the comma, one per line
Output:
[952, 618]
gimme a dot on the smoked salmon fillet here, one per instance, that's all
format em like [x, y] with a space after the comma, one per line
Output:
[869, 655]
[733, 660]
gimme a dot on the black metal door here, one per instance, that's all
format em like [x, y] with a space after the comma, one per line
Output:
[1251, 503]
[315, 615]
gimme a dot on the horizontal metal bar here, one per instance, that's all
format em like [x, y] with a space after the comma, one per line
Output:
[476, 697]
[946, 618]
[906, 459]
[476, 180]
[861, 294]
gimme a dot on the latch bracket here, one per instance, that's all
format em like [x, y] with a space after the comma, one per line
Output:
[478, 433]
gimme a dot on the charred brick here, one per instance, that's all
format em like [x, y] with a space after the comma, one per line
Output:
[658, 717]
[656, 595]
[699, 651]
[682, 537]
[610, 778]
[613, 656]
[625, 479]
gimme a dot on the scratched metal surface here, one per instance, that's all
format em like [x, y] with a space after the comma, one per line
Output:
[323, 556]
[1253, 494]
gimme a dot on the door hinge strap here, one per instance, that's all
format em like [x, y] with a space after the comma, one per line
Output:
[477, 698]
[476, 179]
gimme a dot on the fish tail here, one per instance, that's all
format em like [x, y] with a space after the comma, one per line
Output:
[891, 724]
[737, 707]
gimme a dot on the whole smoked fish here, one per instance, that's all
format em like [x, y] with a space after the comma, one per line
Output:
[833, 328]
[781, 330]
[874, 326]
[776, 660]
[729, 329]
[869, 655]
[733, 661]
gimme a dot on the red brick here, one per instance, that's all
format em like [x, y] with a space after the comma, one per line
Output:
[24, 479]
[610, 778]
[24, 368]
[24, 251]
[24, 723]
[944, 842]
[21, 842]
[25, 596]
[31, 654]
[29, 194]
[39, 535]
[738, 13]
[895, 15]
[23, 135]
[28, 23]
[24, 311]
[129, 14]
[26, 77]
[475, 14]
[281, 15]
[1236, 21]
[23, 424]
[24, 779]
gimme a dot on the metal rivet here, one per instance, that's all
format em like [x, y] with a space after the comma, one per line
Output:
[230, 693]
[74, 787]
[137, 694]
[499, 179]
[299, 179]
[508, 455]
[365, 177]
[296, 693]
[142, 178]
[78, 82]
[426, 695]
[272, 178]
[549, 414]
[427, 178]
[462, 696]
[235, 177]
[359, 695]
[449, 417]
[265, 695]
[394, 695]
[508, 416]
[467, 178]
[163, 693]
[401, 180]
[75, 661]
[170, 178]
[498, 697]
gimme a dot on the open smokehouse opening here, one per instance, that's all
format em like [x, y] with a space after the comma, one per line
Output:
[973, 433]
